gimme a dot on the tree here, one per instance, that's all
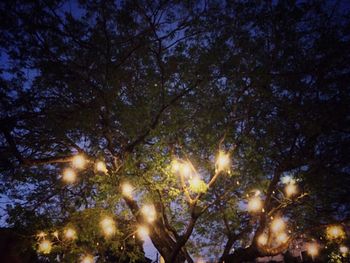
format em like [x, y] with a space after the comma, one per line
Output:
[238, 96]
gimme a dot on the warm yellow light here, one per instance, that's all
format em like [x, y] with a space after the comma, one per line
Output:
[197, 185]
[142, 232]
[282, 237]
[186, 169]
[312, 249]
[222, 161]
[108, 226]
[335, 232]
[70, 233]
[79, 161]
[149, 212]
[291, 189]
[175, 166]
[262, 239]
[87, 259]
[69, 175]
[255, 204]
[277, 225]
[55, 234]
[344, 250]
[101, 167]
[127, 190]
[41, 234]
[45, 247]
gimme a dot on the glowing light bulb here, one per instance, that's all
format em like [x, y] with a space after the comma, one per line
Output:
[70, 233]
[197, 185]
[69, 175]
[344, 250]
[45, 247]
[175, 166]
[108, 226]
[312, 249]
[79, 161]
[291, 189]
[282, 237]
[254, 204]
[262, 239]
[149, 212]
[186, 169]
[127, 190]
[222, 161]
[101, 167]
[277, 225]
[335, 232]
[142, 232]
[87, 259]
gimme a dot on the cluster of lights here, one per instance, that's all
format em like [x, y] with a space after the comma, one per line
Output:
[79, 162]
[196, 184]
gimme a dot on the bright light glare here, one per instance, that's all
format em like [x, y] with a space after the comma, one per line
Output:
[70, 233]
[79, 161]
[149, 212]
[87, 259]
[222, 161]
[101, 167]
[254, 204]
[69, 175]
[108, 226]
[142, 232]
[277, 225]
[127, 190]
[45, 247]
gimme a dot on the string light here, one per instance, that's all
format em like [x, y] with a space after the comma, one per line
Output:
[70, 233]
[142, 232]
[69, 175]
[277, 225]
[101, 167]
[312, 249]
[291, 189]
[108, 226]
[87, 259]
[127, 190]
[222, 162]
[149, 212]
[254, 204]
[78, 161]
[262, 239]
[335, 232]
[45, 247]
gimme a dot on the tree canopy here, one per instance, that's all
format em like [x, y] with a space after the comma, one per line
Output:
[198, 123]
